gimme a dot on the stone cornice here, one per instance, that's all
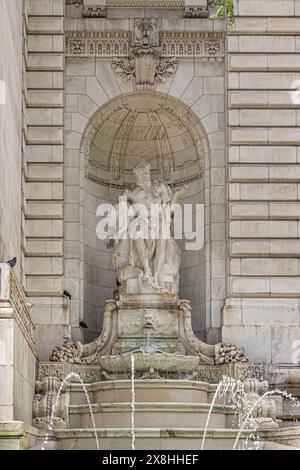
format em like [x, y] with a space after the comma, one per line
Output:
[100, 11]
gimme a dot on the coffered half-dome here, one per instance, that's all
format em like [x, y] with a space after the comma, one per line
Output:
[144, 125]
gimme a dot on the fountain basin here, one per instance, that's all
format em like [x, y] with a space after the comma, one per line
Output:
[144, 362]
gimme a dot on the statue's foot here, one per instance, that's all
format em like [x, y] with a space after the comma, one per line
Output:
[156, 285]
[147, 276]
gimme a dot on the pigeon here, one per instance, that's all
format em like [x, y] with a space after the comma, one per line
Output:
[67, 295]
[83, 325]
[30, 305]
[12, 263]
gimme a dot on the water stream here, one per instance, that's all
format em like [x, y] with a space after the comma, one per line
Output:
[72, 375]
[132, 402]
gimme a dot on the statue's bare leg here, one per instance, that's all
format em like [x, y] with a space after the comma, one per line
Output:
[143, 256]
[159, 262]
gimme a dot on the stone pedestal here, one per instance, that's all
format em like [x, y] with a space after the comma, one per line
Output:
[149, 323]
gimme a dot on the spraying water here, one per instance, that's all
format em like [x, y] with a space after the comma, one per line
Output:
[251, 410]
[72, 375]
[133, 402]
[222, 388]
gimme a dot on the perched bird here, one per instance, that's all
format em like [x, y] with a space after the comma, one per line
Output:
[83, 325]
[12, 263]
[67, 295]
[116, 294]
[30, 305]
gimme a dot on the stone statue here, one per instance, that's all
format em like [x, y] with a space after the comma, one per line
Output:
[147, 261]
[145, 250]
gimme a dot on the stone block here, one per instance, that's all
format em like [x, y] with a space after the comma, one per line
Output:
[268, 81]
[270, 311]
[45, 98]
[249, 173]
[45, 43]
[6, 398]
[44, 80]
[44, 266]
[283, 62]
[44, 172]
[75, 85]
[6, 343]
[284, 99]
[44, 228]
[260, 336]
[44, 209]
[48, 337]
[45, 8]
[250, 286]
[232, 312]
[259, 44]
[284, 173]
[285, 344]
[267, 154]
[264, 229]
[47, 247]
[285, 247]
[285, 286]
[248, 99]
[214, 85]
[248, 62]
[251, 25]
[281, 135]
[269, 191]
[249, 210]
[266, 8]
[45, 25]
[45, 135]
[267, 267]
[267, 117]
[45, 61]
[44, 153]
[95, 91]
[44, 117]
[44, 285]
[107, 78]
[252, 135]
[44, 191]
[253, 247]
[193, 91]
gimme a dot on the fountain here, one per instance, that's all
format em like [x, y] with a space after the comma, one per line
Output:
[147, 367]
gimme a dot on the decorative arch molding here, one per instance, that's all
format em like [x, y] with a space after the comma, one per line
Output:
[144, 125]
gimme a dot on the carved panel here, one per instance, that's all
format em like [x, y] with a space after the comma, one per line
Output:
[206, 47]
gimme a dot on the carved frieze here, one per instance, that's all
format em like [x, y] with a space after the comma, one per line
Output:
[205, 47]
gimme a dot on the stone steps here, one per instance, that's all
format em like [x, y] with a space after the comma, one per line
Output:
[146, 439]
[151, 415]
[119, 391]
[288, 436]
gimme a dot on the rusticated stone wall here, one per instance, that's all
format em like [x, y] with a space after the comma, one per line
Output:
[44, 171]
[262, 311]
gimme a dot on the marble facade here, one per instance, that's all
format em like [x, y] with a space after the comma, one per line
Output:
[77, 116]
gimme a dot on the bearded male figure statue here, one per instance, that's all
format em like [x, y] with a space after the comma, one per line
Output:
[145, 250]
[146, 301]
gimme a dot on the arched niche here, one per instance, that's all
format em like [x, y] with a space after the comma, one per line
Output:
[121, 133]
